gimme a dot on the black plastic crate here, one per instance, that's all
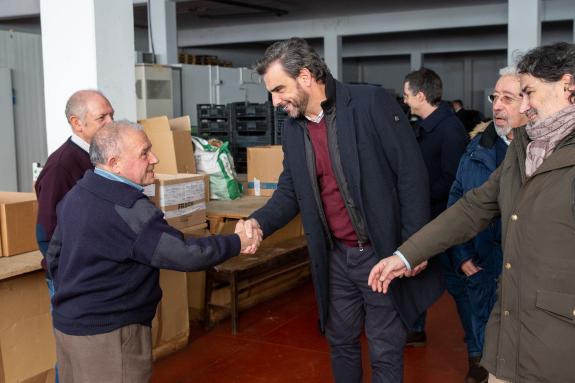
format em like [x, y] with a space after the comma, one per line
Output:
[252, 125]
[218, 125]
[252, 139]
[279, 120]
[250, 110]
[212, 111]
[240, 159]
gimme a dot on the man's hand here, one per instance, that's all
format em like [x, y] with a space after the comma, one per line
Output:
[384, 272]
[469, 268]
[250, 235]
[416, 270]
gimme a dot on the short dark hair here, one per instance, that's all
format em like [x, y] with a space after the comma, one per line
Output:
[549, 63]
[426, 81]
[294, 54]
[457, 101]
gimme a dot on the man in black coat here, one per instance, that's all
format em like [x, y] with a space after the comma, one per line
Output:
[442, 139]
[468, 117]
[353, 168]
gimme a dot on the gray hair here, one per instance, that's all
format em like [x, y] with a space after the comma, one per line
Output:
[510, 70]
[107, 142]
[77, 103]
[294, 54]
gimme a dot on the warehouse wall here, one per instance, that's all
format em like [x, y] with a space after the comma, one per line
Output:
[22, 52]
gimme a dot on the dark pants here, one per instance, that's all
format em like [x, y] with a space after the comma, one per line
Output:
[353, 305]
[457, 287]
[121, 356]
[482, 293]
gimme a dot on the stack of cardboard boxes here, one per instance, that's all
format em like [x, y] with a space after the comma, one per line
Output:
[27, 352]
[182, 196]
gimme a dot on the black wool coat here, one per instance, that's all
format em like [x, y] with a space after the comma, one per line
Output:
[387, 180]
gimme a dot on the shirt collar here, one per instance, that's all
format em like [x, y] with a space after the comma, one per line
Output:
[329, 102]
[317, 119]
[81, 143]
[117, 178]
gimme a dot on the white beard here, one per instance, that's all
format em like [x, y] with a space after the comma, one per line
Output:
[501, 131]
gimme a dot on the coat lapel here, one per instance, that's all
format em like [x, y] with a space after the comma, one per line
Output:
[347, 139]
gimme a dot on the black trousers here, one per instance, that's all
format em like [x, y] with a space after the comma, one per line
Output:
[353, 306]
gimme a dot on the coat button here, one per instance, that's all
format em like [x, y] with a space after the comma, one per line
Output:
[514, 217]
[507, 265]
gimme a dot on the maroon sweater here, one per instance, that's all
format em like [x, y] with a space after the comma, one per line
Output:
[333, 206]
[63, 169]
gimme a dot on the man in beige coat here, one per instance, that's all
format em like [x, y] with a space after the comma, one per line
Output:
[530, 335]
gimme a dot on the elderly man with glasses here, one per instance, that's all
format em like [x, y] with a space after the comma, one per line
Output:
[478, 262]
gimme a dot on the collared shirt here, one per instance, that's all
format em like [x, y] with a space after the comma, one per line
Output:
[80, 142]
[115, 177]
[317, 119]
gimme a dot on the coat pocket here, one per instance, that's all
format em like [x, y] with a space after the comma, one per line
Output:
[560, 305]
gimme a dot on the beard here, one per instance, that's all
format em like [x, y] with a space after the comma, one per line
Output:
[502, 131]
[298, 104]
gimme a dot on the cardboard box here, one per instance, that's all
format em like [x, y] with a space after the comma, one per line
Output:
[170, 326]
[182, 198]
[18, 213]
[27, 346]
[265, 164]
[171, 143]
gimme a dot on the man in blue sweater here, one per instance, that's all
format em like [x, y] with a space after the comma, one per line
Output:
[105, 256]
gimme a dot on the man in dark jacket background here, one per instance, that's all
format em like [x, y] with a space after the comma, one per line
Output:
[353, 169]
[442, 139]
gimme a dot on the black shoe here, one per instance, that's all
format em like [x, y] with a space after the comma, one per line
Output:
[416, 339]
[476, 373]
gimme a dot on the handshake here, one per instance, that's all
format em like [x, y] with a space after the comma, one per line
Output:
[250, 234]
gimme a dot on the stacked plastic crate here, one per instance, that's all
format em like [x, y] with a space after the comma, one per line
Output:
[279, 119]
[213, 122]
[252, 125]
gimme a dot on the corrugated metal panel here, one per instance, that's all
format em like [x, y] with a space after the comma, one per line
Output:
[22, 52]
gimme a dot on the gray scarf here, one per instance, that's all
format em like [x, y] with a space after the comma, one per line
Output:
[545, 135]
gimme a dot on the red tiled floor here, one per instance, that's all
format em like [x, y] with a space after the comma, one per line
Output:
[278, 341]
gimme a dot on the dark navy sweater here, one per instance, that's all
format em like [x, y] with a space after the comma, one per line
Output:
[105, 254]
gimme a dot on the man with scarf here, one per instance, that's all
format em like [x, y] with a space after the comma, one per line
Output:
[530, 336]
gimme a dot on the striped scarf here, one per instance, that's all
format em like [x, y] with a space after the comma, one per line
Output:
[545, 135]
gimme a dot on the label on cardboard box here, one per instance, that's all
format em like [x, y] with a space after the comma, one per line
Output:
[193, 207]
[182, 193]
[265, 164]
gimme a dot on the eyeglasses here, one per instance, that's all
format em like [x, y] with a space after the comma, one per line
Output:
[504, 99]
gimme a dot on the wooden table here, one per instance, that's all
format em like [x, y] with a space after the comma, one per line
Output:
[284, 251]
[218, 211]
[20, 264]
